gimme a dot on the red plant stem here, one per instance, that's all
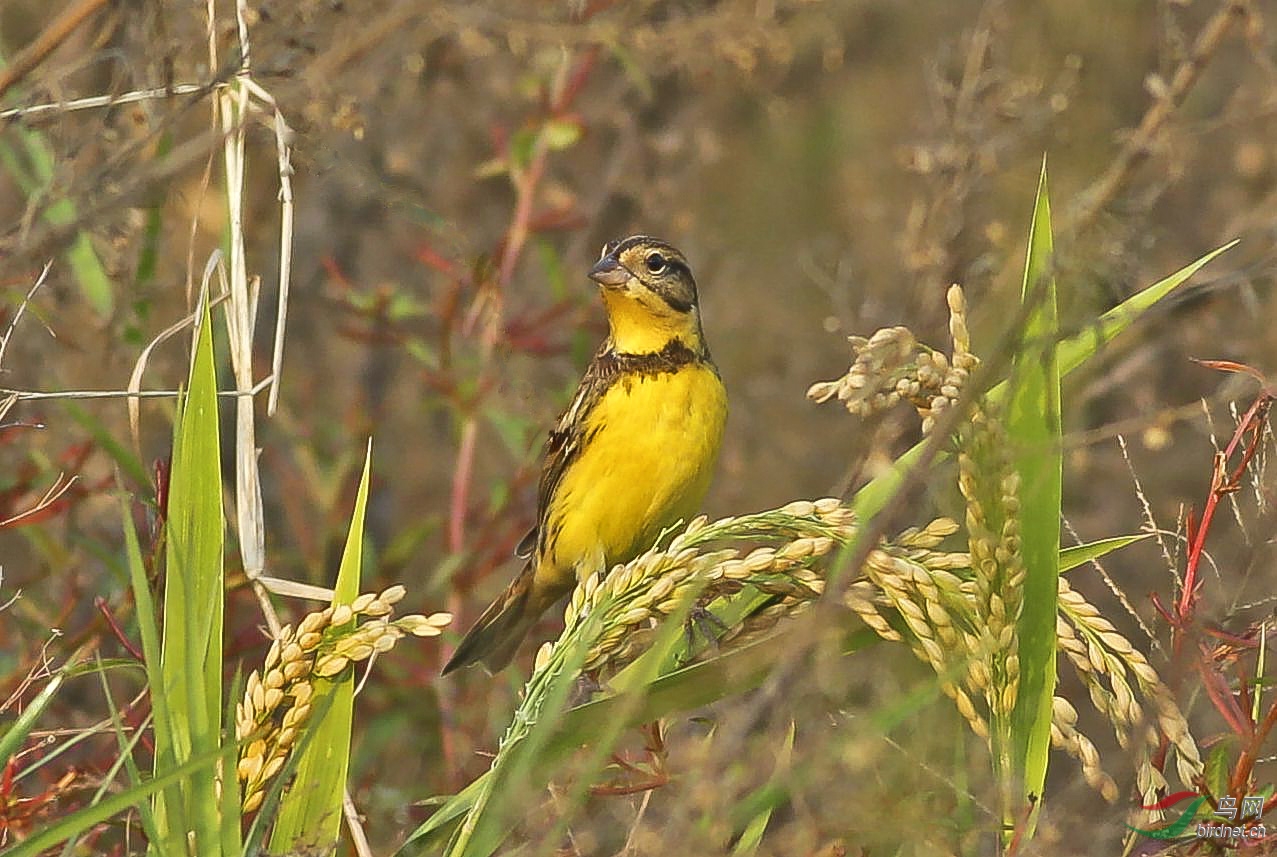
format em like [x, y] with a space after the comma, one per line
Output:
[461, 485]
[1222, 483]
[1223, 700]
[1250, 751]
[566, 88]
[100, 603]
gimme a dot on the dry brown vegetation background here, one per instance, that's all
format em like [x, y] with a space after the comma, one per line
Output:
[828, 167]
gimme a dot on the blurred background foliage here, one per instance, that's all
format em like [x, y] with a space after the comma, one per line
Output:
[829, 168]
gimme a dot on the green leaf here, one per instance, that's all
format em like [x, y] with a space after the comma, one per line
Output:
[1034, 429]
[561, 133]
[106, 440]
[1072, 557]
[21, 728]
[311, 810]
[758, 806]
[520, 148]
[191, 648]
[1217, 769]
[1076, 350]
[124, 743]
[161, 715]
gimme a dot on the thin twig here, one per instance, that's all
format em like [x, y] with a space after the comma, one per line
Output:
[1139, 145]
[97, 101]
[22, 307]
[44, 395]
[59, 29]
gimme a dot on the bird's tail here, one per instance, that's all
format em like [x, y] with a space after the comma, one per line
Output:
[495, 637]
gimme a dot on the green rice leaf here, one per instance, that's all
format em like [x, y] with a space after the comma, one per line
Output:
[18, 731]
[311, 810]
[1076, 350]
[191, 647]
[1072, 557]
[1034, 428]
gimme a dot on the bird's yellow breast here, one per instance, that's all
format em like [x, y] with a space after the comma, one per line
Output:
[650, 446]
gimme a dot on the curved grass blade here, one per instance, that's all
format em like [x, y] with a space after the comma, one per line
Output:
[21, 728]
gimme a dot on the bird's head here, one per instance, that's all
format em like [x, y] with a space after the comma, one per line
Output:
[650, 295]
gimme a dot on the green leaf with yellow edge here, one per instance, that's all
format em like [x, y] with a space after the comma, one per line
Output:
[191, 646]
[1033, 425]
[310, 811]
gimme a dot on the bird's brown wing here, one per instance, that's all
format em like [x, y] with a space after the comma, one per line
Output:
[567, 439]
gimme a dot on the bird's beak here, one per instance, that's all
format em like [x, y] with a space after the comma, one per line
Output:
[609, 272]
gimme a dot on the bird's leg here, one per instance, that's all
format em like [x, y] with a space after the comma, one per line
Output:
[587, 684]
[702, 620]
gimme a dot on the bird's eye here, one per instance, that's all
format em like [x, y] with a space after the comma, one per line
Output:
[655, 262]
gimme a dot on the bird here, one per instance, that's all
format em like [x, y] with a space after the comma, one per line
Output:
[632, 455]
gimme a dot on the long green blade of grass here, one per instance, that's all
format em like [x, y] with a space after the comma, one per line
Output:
[310, 811]
[161, 716]
[18, 731]
[191, 647]
[1034, 428]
